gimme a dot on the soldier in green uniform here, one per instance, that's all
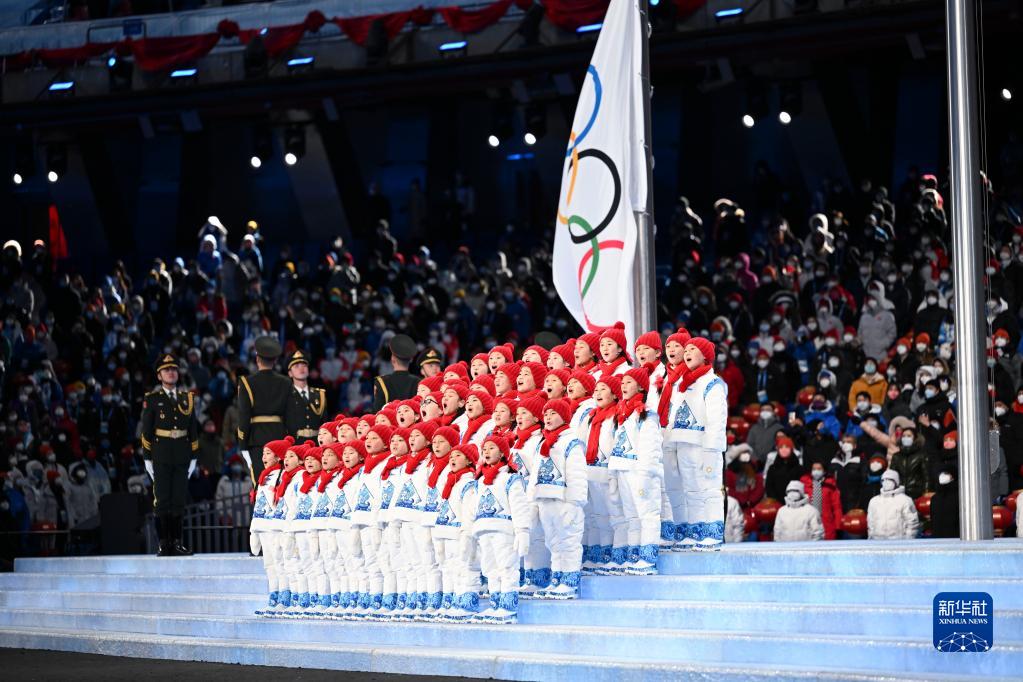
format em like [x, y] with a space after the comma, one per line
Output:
[306, 405]
[428, 363]
[170, 444]
[262, 404]
[399, 384]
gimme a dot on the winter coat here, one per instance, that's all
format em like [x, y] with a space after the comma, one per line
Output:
[752, 490]
[877, 331]
[500, 507]
[82, 504]
[798, 521]
[911, 463]
[874, 385]
[892, 516]
[831, 504]
[778, 476]
[761, 437]
[735, 522]
[945, 511]
[849, 474]
[827, 417]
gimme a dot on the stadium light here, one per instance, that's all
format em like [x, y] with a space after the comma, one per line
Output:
[262, 147]
[785, 117]
[294, 144]
[529, 138]
[18, 179]
[52, 176]
[256, 162]
[184, 73]
[536, 122]
[748, 121]
[66, 87]
[589, 28]
[1006, 94]
[56, 161]
[454, 46]
[728, 13]
[493, 140]
[300, 63]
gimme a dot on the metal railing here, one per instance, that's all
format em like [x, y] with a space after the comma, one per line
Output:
[218, 526]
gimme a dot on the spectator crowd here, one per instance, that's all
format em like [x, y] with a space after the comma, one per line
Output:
[834, 337]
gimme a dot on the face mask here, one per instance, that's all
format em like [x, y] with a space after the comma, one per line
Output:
[817, 474]
[766, 415]
[847, 447]
[744, 457]
[930, 393]
[870, 368]
[779, 347]
[833, 361]
[862, 405]
[932, 300]
[812, 326]
[999, 411]
[830, 342]
[761, 364]
[906, 441]
[793, 496]
[901, 349]
[888, 484]
[944, 479]
[875, 466]
[847, 338]
[51, 458]
[764, 328]
[818, 405]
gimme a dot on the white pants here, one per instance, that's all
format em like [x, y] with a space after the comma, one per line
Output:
[398, 561]
[640, 493]
[539, 556]
[350, 546]
[499, 561]
[369, 538]
[672, 499]
[598, 531]
[289, 565]
[458, 575]
[703, 501]
[310, 564]
[562, 524]
[417, 543]
[267, 541]
[332, 579]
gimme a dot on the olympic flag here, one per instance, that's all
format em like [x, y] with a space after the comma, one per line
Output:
[604, 183]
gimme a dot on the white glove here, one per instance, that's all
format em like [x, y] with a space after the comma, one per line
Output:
[254, 544]
[247, 458]
[191, 468]
[149, 470]
[521, 544]
[465, 548]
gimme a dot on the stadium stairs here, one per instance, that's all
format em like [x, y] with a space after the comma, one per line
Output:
[852, 610]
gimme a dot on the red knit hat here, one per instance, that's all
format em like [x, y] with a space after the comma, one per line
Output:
[485, 399]
[448, 433]
[641, 375]
[484, 381]
[509, 401]
[781, 439]
[391, 415]
[315, 451]
[681, 337]
[616, 333]
[586, 379]
[469, 450]
[502, 444]
[541, 351]
[705, 346]
[383, 431]
[566, 351]
[592, 340]
[280, 447]
[560, 406]
[356, 445]
[534, 405]
[462, 390]
[482, 357]
[506, 350]
[402, 433]
[614, 382]
[538, 372]
[510, 370]
[460, 369]
[651, 339]
[426, 428]
[563, 375]
[433, 383]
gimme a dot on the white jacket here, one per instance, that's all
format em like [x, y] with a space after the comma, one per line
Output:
[325, 503]
[618, 371]
[563, 475]
[698, 416]
[295, 508]
[1019, 516]
[389, 489]
[500, 507]
[798, 521]
[452, 512]
[735, 522]
[524, 458]
[892, 515]
[416, 501]
[637, 444]
[368, 497]
[653, 396]
[481, 433]
[263, 509]
[579, 422]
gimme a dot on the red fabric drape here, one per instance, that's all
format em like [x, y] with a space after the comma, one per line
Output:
[69, 56]
[357, 28]
[58, 241]
[571, 14]
[161, 54]
[469, 21]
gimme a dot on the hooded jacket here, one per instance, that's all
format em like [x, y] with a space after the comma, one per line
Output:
[831, 504]
[891, 515]
[798, 520]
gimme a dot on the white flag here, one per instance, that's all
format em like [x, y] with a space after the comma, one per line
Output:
[604, 180]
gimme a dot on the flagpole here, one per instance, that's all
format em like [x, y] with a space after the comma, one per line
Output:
[644, 270]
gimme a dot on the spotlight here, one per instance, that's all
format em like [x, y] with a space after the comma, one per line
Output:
[262, 147]
[294, 144]
[52, 176]
[62, 88]
[493, 140]
[501, 124]
[256, 162]
[112, 62]
[1006, 94]
[748, 121]
[729, 13]
[298, 64]
[589, 28]
[785, 117]
[529, 138]
[18, 179]
[183, 76]
[56, 161]
[456, 47]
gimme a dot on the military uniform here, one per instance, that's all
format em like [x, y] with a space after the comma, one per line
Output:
[429, 356]
[400, 384]
[304, 413]
[170, 441]
[262, 405]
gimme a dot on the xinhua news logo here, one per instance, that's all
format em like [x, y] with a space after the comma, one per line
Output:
[963, 622]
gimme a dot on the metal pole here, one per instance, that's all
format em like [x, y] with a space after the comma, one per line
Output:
[644, 290]
[967, 267]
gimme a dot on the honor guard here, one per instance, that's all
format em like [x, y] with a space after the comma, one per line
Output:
[170, 444]
[399, 384]
[305, 405]
[428, 363]
[262, 404]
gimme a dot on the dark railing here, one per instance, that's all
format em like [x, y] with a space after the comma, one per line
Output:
[218, 526]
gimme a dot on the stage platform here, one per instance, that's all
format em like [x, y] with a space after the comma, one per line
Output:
[852, 610]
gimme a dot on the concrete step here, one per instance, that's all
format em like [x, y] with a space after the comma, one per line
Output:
[680, 647]
[497, 664]
[694, 615]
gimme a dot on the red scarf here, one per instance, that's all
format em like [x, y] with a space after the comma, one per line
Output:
[392, 464]
[372, 461]
[436, 466]
[446, 419]
[626, 408]
[347, 475]
[667, 385]
[503, 431]
[282, 484]
[690, 378]
[453, 477]
[597, 418]
[489, 472]
[608, 368]
[522, 435]
[587, 366]
[575, 404]
[550, 438]
[474, 426]
[267, 472]
[414, 460]
[325, 477]
[308, 481]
